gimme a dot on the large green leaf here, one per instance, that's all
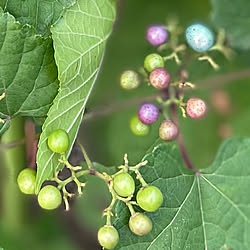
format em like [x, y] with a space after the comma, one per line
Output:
[208, 210]
[79, 41]
[234, 17]
[41, 14]
[28, 74]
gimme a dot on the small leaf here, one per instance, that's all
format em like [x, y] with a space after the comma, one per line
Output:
[234, 17]
[208, 210]
[28, 74]
[38, 13]
[79, 40]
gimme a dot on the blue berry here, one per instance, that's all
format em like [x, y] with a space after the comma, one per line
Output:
[148, 113]
[199, 37]
[156, 35]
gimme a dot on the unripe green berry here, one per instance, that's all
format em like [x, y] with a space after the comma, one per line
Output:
[140, 224]
[153, 61]
[49, 197]
[58, 141]
[124, 184]
[129, 80]
[149, 198]
[139, 128]
[108, 237]
[26, 180]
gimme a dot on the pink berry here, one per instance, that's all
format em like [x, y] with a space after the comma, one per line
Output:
[168, 131]
[159, 78]
[148, 113]
[156, 35]
[196, 107]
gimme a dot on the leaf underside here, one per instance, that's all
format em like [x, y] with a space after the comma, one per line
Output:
[79, 41]
[28, 74]
[40, 14]
[234, 17]
[209, 210]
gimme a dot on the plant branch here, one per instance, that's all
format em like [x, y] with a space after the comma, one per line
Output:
[208, 83]
[180, 141]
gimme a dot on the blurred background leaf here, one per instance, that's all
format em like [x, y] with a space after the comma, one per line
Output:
[234, 17]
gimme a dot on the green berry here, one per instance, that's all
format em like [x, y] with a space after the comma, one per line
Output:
[129, 80]
[153, 61]
[140, 224]
[108, 237]
[26, 180]
[124, 184]
[139, 128]
[49, 197]
[58, 141]
[149, 198]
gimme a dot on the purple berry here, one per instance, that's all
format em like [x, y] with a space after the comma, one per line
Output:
[156, 35]
[196, 107]
[168, 131]
[159, 78]
[148, 113]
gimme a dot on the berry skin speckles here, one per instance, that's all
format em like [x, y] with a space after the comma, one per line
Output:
[129, 80]
[159, 78]
[168, 131]
[199, 37]
[148, 113]
[153, 61]
[156, 35]
[196, 107]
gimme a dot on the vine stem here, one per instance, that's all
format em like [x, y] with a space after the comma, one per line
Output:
[180, 141]
[207, 83]
[12, 202]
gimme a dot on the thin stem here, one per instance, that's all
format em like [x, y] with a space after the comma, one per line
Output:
[180, 141]
[131, 209]
[88, 161]
[208, 83]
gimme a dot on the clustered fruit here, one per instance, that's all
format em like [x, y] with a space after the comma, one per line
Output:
[200, 39]
[121, 185]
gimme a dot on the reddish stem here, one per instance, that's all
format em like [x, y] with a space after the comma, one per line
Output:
[180, 141]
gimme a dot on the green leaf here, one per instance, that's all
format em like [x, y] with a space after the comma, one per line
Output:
[28, 74]
[207, 210]
[79, 40]
[234, 17]
[41, 14]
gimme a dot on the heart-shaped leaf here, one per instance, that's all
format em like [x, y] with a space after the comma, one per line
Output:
[207, 210]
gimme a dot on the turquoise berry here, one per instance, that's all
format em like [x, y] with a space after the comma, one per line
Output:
[129, 80]
[108, 237]
[124, 184]
[199, 37]
[138, 128]
[153, 61]
[26, 180]
[58, 141]
[49, 197]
